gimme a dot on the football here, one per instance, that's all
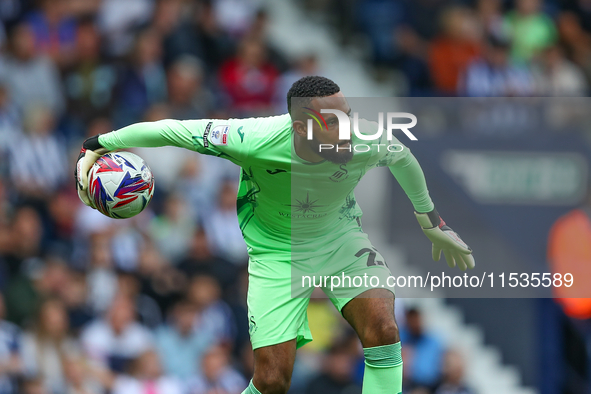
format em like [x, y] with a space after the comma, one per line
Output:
[120, 185]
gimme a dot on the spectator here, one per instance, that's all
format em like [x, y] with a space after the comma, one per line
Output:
[167, 16]
[259, 32]
[54, 30]
[32, 79]
[453, 375]
[26, 236]
[33, 386]
[118, 20]
[566, 253]
[234, 16]
[90, 81]
[303, 66]
[50, 275]
[172, 230]
[148, 310]
[197, 185]
[79, 379]
[558, 77]
[454, 49]
[146, 377]
[61, 220]
[30, 153]
[159, 280]
[116, 339]
[199, 179]
[187, 96]
[180, 347]
[489, 13]
[422, 354]
[101, 276]
[413, 61]
[214, 316]
[423, 17]
[200, 36]
[575, 41]
[48, 346]
[25, 245]
[217, 375]
[10, 359]
[11, 126]
[495, 75]
[378, 19]
[11, 10]
[75, 299]
[249, 80]
[337, 374]
[222, 228]
[581, 10]
[83, 8]
[142, 82]
[530, 29]
[200, 260]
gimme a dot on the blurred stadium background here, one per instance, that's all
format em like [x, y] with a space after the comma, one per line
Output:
[156, 304]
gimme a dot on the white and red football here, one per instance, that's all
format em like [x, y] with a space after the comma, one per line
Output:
[120, 184]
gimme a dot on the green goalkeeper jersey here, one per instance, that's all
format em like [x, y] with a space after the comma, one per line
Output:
[284, 203]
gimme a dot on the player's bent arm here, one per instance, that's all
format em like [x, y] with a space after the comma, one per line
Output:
[410, 176]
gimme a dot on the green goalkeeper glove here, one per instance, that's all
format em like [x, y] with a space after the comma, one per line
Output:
[444, 239]
[89, 154]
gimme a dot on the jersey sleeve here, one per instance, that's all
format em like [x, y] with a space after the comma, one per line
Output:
[403, 165]
[241, 141]
[215, 137]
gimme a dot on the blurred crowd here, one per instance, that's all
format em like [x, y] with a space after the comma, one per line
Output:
[477, 48]
[155, 304]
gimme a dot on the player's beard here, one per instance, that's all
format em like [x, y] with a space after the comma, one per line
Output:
[342, 156]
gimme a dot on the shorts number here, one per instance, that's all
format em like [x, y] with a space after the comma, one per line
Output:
[371, 258]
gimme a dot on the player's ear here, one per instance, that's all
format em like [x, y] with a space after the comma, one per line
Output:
[299, 128]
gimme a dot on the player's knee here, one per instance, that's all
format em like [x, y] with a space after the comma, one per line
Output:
[383, 332]
[272, 383]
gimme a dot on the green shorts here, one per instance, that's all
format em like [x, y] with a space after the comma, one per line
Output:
[279, 289]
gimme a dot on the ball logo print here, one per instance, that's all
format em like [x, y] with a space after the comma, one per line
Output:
[107, 164]
[120, 185]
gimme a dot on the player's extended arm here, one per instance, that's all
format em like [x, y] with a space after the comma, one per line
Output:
[410, 176]
[147, 134]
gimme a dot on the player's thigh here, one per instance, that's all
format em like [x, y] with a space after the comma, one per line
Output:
[275, 316]
[372, 316]
[356, 267]
[273, 365]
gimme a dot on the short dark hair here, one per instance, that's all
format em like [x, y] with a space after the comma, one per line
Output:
[310, 87]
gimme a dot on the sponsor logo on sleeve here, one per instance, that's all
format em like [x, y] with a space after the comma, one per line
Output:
[219, 135]
[206, 134]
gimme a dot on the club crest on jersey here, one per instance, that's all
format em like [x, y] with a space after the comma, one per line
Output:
[340, 175]
[219, 135]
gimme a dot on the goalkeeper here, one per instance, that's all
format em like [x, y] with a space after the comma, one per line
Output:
[298, 216]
